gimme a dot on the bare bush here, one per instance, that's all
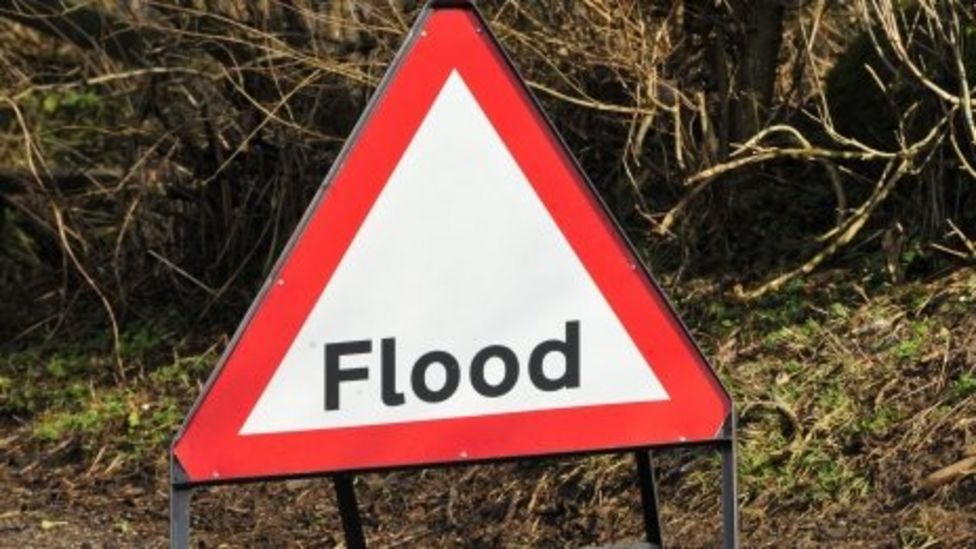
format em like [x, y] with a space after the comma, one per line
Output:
[162, 152]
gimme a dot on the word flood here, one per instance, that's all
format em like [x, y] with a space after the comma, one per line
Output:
[391, 395]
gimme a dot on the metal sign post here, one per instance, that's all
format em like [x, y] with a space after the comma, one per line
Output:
[730, 495]
[349, 511]
[648, 492]
[179, 506]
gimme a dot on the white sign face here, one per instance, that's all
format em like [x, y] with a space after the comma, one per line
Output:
[458, 297]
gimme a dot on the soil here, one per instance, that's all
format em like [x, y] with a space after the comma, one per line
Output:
[568, 502]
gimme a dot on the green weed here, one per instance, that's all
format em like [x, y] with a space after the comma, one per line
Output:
[965, 386]
[72, 393]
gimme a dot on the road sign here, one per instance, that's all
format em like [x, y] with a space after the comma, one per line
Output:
[457, 292]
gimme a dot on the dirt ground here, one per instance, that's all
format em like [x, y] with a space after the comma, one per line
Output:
[572, 502]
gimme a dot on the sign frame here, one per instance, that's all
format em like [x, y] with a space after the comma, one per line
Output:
[182, 486]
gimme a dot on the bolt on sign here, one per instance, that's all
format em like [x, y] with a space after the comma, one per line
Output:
[457, 292]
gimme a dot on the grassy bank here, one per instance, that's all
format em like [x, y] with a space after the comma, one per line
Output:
[852, 395]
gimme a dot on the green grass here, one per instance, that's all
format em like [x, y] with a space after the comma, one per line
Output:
[964, 386]
[71, 392]
[841, 366]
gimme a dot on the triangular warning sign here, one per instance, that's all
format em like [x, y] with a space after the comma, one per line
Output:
[458, 292]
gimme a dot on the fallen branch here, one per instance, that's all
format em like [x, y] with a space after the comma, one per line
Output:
[950, 473]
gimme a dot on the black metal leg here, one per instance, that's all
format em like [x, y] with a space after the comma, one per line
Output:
[730, 511]
[179, 517]
[648, 491]
[349, 512]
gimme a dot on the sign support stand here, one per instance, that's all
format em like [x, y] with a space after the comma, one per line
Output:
[730, 509]
[352, 526]
[179, 517]
[179, 507]
[181, 490]
[213, 427]
[648, 492]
